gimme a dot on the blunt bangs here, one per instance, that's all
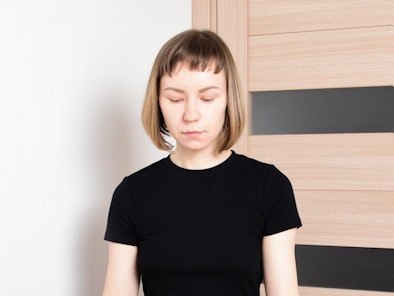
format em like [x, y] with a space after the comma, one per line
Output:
[200, 50]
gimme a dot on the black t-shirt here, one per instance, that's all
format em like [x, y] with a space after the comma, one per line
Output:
[199, 232]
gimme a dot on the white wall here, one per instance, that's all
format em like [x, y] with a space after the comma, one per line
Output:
[72, 79]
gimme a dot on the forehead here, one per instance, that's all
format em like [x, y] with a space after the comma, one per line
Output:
[183, 77]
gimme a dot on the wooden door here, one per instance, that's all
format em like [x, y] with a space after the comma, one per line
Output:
[344, 182]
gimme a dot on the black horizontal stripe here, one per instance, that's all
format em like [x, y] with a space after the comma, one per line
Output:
[319, 111]
[346, 267]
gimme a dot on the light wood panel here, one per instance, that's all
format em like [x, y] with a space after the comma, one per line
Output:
[344, 183]
[346, 218]
[325, 59]
[330, 161]
[312, 291]
[204, 14]
[284, 16]
[232, 27]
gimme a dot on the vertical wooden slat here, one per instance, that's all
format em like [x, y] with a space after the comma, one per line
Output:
[201, 17]
[214, 20]
[232, 22]
[204, 14]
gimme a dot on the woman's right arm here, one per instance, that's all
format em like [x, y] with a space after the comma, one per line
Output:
[122, 272]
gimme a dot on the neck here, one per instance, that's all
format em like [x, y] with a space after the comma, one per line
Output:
[198, 160]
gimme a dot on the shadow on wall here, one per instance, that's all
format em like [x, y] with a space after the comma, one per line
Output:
[108, 160]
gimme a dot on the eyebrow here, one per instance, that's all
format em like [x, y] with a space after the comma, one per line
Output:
[200, 91]
[208, 88]
[175, 89]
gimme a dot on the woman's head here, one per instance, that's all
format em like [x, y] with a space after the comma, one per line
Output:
[199, 51]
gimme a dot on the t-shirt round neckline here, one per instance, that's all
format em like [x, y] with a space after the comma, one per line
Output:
[211, 170]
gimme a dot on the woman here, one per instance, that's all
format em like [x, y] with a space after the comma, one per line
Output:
[205, 220]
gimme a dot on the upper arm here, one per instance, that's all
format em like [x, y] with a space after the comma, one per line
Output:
[279, 265]
[122, 272]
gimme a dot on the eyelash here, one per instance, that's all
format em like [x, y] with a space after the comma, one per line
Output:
[175, 100]
[178, 100]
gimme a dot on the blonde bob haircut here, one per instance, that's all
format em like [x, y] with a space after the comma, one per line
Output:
[200, 50]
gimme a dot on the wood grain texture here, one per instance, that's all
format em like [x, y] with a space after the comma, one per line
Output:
[330, 161]
[232, 27]
[346, 218]
[204, 14]
[285, 16]
[312, 291]
[214, 14]
[323, 59]
[347, 180]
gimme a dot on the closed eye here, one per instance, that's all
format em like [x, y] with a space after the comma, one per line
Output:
[175, 100]
[209, 99]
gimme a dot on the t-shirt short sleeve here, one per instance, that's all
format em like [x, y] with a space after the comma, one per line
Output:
[119, 226]
[280, 210]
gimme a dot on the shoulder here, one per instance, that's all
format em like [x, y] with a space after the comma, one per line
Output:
[247, 163]
[266, 171]
[147, 171]
[137, 181]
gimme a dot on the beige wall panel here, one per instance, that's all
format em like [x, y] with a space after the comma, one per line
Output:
[323, 59]
[312, 291]
[346, 218]
[330, 161]
[232, 27]
[204, 14]
[285, 16]
[213, 12]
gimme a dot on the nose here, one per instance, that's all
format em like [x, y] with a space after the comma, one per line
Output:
[192, 110]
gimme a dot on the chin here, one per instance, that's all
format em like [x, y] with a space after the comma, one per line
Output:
[197, 148]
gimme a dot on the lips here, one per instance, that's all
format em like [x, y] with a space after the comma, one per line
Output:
[192, 133]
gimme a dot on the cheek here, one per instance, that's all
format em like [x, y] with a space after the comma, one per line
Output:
[163, 112]
[163, 109]
[223, 110]
[169, 116]
[218, 116]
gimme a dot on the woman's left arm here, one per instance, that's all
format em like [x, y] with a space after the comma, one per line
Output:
[279, 264]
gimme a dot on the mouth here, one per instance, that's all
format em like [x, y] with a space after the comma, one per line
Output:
[192, 133]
